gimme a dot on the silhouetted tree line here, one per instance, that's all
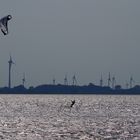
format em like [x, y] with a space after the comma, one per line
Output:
[69, 89]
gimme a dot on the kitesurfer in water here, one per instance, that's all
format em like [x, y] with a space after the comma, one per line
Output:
[72, 103]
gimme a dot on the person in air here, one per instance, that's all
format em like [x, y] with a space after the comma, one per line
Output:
[4, 24]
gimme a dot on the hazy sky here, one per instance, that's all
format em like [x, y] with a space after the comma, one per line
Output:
[84, 37]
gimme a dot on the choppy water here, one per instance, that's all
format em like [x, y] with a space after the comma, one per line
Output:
[49, 117]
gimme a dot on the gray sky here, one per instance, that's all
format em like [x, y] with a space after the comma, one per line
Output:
[84, 37]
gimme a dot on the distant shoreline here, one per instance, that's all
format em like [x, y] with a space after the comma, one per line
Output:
[70, 89]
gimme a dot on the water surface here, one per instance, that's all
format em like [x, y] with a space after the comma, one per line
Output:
[50, 117]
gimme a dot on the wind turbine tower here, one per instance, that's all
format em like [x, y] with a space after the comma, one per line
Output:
[53, 81]
[65, 80]
[113, 82]
[23, 79]
[131, 82]
[109, 80]
[74, 81]
[10, 65]
[101, 81]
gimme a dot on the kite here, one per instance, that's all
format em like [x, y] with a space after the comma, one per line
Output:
[4, 24]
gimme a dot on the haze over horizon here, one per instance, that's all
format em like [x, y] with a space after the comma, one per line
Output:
[52, 38]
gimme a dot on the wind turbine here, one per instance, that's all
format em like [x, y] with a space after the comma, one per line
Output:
[113, 82]
[65, 80]
[101, 81]
[23, 79]
[54, 81]
[109, 80]
[131, 82]
[10, 65]
[74, 81]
